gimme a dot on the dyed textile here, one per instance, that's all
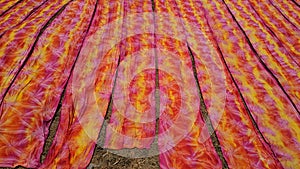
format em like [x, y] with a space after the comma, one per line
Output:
[210, 84]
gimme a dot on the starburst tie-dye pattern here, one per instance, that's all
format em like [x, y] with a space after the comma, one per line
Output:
[210, 84]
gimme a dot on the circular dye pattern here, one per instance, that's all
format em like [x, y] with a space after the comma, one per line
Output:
[126, 64]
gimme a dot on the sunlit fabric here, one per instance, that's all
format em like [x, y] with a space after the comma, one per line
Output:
[210, 83]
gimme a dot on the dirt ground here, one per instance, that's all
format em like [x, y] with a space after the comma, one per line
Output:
[104, 159]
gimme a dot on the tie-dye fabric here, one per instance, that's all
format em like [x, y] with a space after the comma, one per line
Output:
[209, 84]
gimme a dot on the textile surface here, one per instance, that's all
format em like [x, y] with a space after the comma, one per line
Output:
[206, 83]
